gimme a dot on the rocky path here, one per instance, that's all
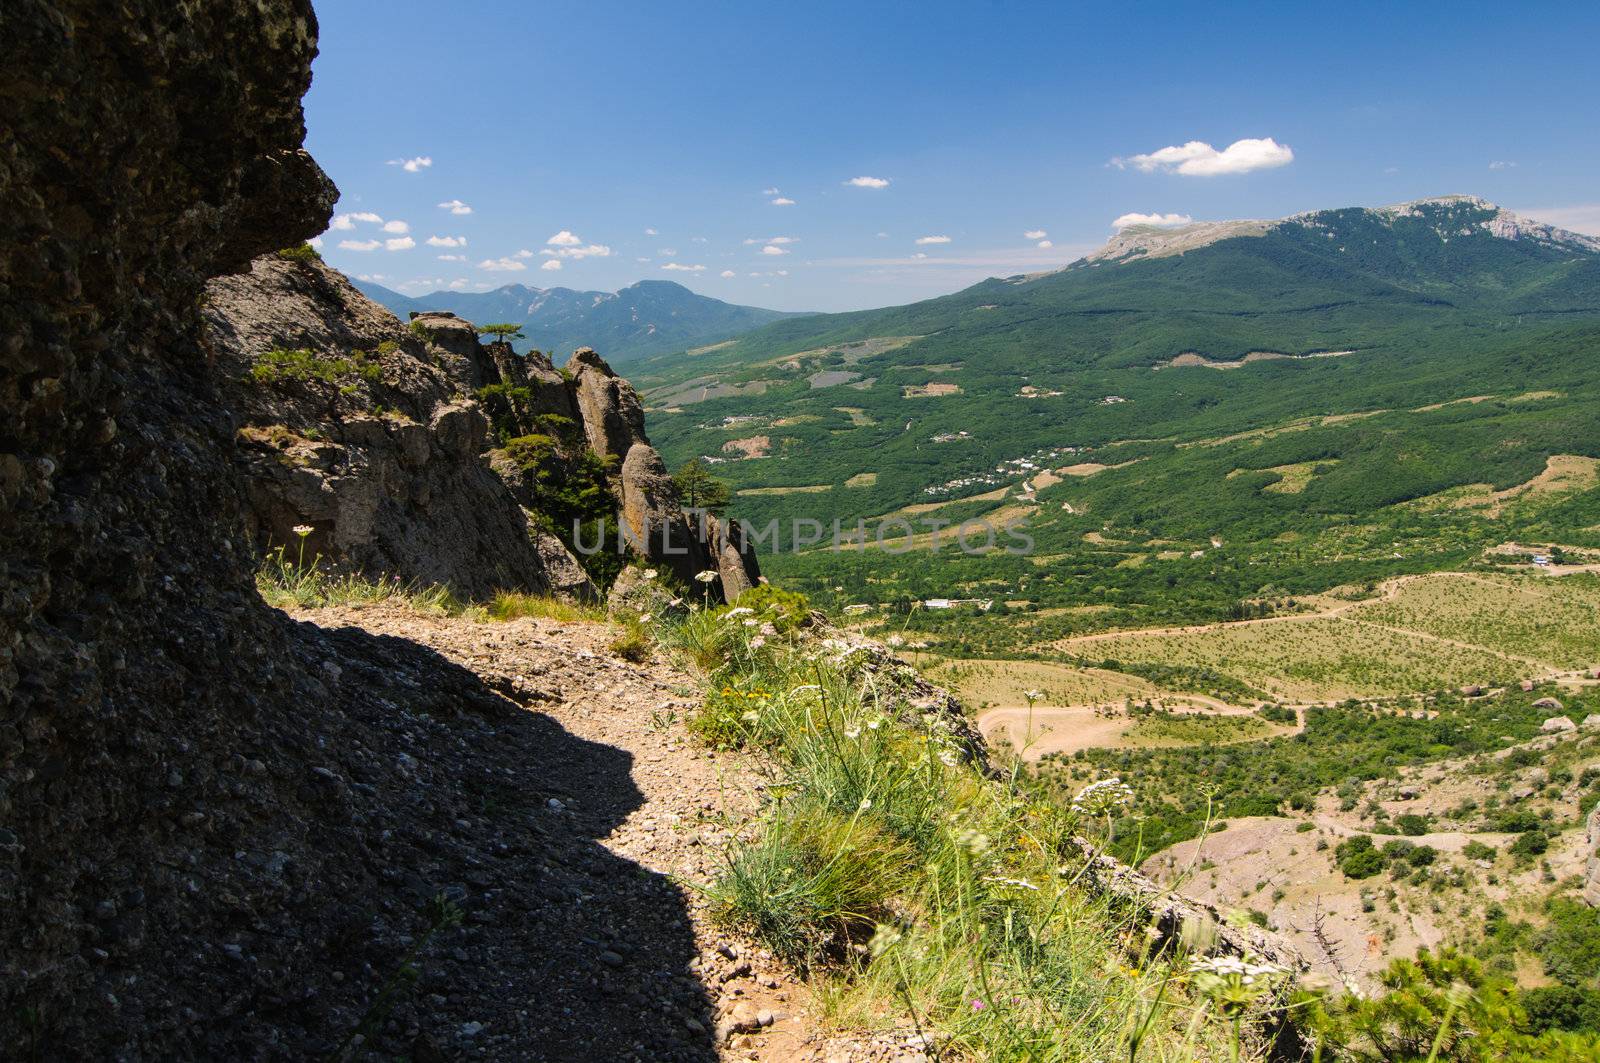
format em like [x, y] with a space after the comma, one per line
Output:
[603, 947]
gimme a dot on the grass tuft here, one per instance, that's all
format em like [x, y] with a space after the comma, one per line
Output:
[516, 605]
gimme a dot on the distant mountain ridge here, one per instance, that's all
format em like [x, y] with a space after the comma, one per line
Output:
[647, 318]
[1326, 279]
[1331, 313]
[1452, 215]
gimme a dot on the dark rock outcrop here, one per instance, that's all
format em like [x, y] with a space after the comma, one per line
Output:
[364, 434]
[221, 831]
[144, 148]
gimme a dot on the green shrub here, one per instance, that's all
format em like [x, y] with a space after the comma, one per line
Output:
[1529, 845]
[301, 365]
[1411, 824]
[1358, 859]
[1561, 1007]
[571, 497]
[300, 253]
[1444, 1007]
[784, 610]
[1569, 943]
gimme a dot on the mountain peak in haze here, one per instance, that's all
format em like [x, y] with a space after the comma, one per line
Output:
[647, 317]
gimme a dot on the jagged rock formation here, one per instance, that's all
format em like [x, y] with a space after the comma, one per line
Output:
[377, 436]
[354, 426]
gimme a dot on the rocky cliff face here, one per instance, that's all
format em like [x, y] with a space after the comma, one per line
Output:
[220, 829]
[146, 147]
[377, 436]
[358, 427]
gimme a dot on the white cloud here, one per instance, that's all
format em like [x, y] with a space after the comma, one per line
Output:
[920, 254]
[643, 258]
[651, 232]
[667, 252]
[502, 265]
[1199, 159]
[315, 241]
[769, 191]
[1165, 221]
[396, 227]
[922, 241]
[883, 236]
[421, 162]
[447, 241]
[346, 222]
[458, 283]
[868, 182]
[1035, 234]
[1501, 164]
[399, 243]
[455, 206]
[452, 258]
[773, 249]
[360, 245]
[679, 267]
[550, 265]
[779, 240]
[564, 238]
[726, 274]
[524, 253]
[371, 277]
[783, 201]
[1044, 243]
[571, 250]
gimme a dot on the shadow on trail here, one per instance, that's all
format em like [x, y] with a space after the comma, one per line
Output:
[566, 951]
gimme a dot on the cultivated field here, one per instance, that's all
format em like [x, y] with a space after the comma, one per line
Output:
[1552, 620]
[1310, 658]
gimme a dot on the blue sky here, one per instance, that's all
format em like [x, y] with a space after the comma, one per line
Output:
[597, 143]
